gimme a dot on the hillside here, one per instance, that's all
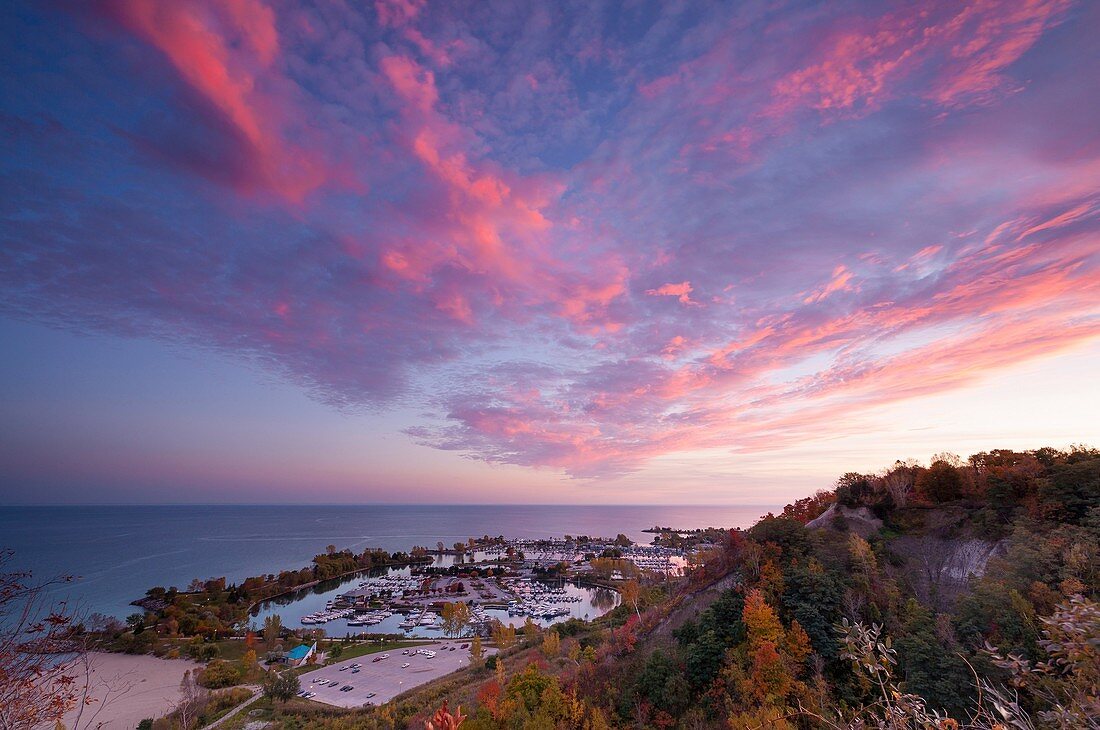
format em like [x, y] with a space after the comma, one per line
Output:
[875, 604]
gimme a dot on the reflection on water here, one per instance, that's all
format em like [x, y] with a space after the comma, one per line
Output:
[604, 599]
[594, 601]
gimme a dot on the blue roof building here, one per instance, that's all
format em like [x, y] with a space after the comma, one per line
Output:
[299, 654]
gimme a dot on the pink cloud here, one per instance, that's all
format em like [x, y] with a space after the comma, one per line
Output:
[681, 291]
[840, 282]
[509, 220]
[966, 49]
[228, 52]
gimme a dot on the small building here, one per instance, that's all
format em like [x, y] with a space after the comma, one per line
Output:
[299, 655]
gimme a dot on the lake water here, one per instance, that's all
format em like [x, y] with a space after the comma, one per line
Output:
[117, 553]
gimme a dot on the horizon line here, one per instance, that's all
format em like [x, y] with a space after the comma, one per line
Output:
[383, 504]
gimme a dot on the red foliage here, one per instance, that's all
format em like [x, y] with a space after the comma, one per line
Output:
[489, 698]
[809, 508]
[624, 638]
[445, 720]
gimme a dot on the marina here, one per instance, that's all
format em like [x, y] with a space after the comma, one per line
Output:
[361, 606]
[509, 581]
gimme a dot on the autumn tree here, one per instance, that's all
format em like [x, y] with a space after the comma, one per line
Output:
[809, 508]
[503, 636]
[39, 658]
[631, 592]
[456, 616]
[775, 656]
[551, 644]
[476, 650]
[443, 719]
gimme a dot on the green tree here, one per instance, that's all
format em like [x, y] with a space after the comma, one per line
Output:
[929, 666]
[812, 596]
[282, 686]
[273, 629]
[1072, 490]
[661, 684]
[940, 482]
[994, 612]
[703, 658]
[136, 622]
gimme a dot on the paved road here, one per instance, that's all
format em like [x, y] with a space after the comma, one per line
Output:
[385, 678]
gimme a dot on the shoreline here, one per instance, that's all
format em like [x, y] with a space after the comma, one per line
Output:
[133, 686]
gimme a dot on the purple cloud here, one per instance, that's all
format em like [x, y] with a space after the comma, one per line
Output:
[577, 236]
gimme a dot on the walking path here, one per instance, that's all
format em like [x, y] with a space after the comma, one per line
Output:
[254, 689]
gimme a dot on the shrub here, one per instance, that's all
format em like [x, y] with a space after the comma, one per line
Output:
[219, 673]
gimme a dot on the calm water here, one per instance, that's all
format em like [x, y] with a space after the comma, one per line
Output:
[594, 602]
[117, 553]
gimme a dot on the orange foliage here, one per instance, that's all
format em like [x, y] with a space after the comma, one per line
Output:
[489, 698]
[775, 656]
[761, 623]
[809, 508]
[768, 681]
[444, 720]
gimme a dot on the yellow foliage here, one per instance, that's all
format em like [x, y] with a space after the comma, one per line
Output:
[761, 718]
[551, 644]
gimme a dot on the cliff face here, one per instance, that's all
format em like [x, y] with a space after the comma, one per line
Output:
[935, 556]
[938, 569]
[859, 520]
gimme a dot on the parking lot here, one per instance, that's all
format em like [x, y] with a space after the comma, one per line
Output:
[385, 678]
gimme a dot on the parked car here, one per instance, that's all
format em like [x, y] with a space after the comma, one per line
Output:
[406, 665]
[355, 671]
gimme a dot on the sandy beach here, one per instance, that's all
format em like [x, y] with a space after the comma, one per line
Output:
[134, 687]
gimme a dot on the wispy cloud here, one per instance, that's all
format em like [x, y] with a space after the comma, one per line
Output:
[573, 237]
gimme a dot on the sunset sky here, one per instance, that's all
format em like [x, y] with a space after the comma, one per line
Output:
[629, 252]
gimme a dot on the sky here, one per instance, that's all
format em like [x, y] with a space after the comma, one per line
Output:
[587, 252]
